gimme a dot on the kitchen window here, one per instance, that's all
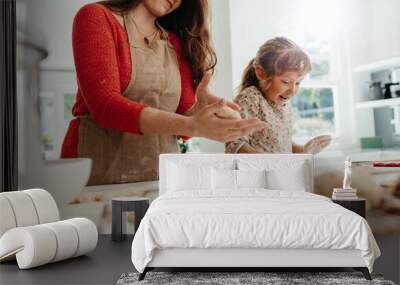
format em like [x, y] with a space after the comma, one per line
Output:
[313, 111]
[314, 107]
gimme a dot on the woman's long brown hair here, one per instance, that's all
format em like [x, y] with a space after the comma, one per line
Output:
[191, 23]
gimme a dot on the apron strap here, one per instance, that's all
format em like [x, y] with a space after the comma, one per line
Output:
[128, 23]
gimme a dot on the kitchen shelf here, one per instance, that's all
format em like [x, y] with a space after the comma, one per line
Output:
[378, 103]
[378, 65]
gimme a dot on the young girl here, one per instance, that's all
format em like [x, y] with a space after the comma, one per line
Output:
[268, 83]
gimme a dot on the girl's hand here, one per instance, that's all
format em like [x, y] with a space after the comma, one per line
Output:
[317, 144]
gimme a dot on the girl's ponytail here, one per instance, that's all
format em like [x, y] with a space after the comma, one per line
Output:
[249, 77]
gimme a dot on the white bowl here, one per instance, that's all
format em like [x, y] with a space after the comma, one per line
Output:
[65, 178]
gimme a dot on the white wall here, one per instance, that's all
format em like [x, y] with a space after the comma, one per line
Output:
[222, 83]
[49, 24]
[372, 26]
[384, 36]
[254, 22]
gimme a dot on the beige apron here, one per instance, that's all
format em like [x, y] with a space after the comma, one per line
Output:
[120, 157]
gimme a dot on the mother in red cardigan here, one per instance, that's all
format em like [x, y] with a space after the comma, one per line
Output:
[143, 67]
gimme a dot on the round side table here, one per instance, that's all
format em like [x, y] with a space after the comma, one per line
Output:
[139, 205]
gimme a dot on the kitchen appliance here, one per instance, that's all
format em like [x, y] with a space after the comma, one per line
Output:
[384, 84]
[396, 78]
[375, 91]
[388, 91]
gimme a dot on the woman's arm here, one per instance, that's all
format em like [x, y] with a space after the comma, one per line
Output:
[202, 124]
[97, 71]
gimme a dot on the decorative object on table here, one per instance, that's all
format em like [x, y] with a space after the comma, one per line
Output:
[347, 174]
[139, 205]
[346, 192]
[31, 230]
[355, 205]
[248, 278]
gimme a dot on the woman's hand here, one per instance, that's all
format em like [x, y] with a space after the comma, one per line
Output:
[248, 149]
[317, 144]
[206, 124]
[204, 97]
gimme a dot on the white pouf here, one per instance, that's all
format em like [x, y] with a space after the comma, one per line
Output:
[31, 232]
[7, 216]
[23, 208]
[41, 244]
[46, 207]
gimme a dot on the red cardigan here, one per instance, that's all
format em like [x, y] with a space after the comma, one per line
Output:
[103, 68]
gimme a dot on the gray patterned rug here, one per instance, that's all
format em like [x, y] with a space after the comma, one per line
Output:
[243, 278]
